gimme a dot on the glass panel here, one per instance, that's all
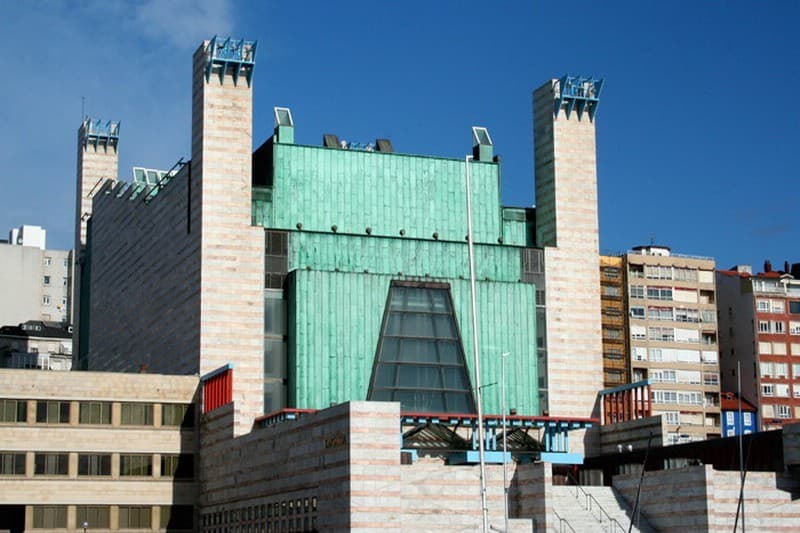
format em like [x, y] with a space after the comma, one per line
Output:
[385, 376]
[423, 377]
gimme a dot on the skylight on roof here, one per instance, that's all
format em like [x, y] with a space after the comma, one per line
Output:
[283, 117]
[481, 136]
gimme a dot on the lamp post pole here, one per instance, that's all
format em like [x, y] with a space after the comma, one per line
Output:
[505, 435]
[476, 358]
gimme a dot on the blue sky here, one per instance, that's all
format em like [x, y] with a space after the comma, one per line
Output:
[698, 128]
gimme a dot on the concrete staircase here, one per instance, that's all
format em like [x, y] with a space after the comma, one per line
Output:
[594, 509]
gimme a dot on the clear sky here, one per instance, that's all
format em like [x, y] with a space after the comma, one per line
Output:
[697, 128]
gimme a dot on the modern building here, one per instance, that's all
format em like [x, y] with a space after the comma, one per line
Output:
[341, 272]
[117, 451]
[36, 344]
[613, 291]
[673, 338]
[759, 316]
[738, 415]
[309, 313]
[35, 282]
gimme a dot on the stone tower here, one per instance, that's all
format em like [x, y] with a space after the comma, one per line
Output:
[567, 227]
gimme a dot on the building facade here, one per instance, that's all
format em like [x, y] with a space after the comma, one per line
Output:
[673, 339]
[117, 451]
[760, 332]
[36, 344]
[613, 291]
[739, 417]
[36, 283]
[365, 295]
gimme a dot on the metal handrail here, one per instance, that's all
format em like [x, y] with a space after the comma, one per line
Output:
[589, 499]
[562, 522]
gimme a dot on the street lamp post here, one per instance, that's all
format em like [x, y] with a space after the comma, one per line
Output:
[505, 435]
[476, 358]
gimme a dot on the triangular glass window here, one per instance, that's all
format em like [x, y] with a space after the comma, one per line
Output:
[420, 359]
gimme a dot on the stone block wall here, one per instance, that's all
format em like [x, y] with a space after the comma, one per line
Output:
[339, 467]
[699, 498]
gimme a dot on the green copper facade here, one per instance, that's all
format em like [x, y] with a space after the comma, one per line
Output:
[357, 220]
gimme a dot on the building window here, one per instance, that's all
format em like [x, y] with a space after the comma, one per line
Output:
[659, 293]
[94, 465]
[794, 328]
[662, 334]
[46, 280]
[658, 272]
[181, 517]
[637, 292]
[49, 516]
[782, 411]
[12, 464]
[660, 313]
[781, 390]
[767, 389]
[46, 300]
[777, 306]
[66, 262]
[178, 466]
[52, 412]
[778, 327]
[48, 261]
[276, 261]
[748, 418]
[639, 353]
[13, 411]
[763, 326]
[95, 413]
[781, 370]
[96, 516]
[637, 312]
[638, 332]
[765, 348]
[612, 333]
[137, 517]
[611, 272]
[136, 414]
[51, 464]
[177, 414]
[794, 308]
[420, 358]
[796, 370]
[672, 417]
[135, 465]
[611, 291]
[762, 306]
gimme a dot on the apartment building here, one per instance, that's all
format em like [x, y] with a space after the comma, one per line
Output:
[760, 332]
[35, 282]
[616, 358]
[671, 305]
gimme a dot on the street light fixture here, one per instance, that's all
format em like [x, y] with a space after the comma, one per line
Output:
[476, 358]
[85, 526]
[505, 435]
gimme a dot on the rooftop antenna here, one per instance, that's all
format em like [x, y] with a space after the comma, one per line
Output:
[83, 108]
